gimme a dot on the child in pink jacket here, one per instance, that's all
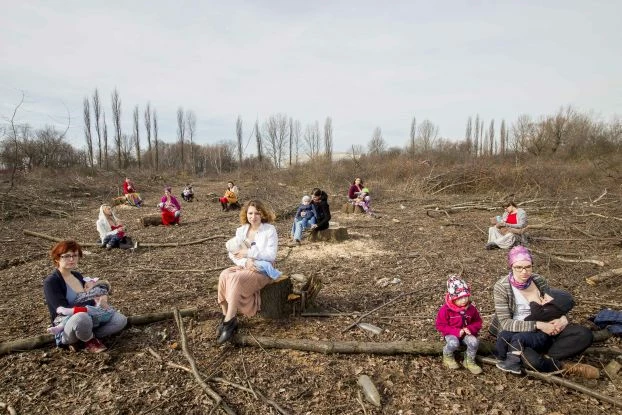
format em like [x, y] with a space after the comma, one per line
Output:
[459, 322]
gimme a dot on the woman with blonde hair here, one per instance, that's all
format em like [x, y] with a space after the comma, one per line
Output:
[111, 230]
[239, 285]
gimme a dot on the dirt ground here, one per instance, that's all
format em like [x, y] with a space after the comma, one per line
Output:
[413, 244]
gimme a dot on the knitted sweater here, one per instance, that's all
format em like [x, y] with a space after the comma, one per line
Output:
[505, 306]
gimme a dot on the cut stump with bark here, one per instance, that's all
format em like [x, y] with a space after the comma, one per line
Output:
[151, 220]
[118, 201]
[274, 299]
[350, 208]
[330, 235]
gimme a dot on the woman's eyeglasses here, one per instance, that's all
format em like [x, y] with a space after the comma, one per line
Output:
[70, 256]
[521, 269]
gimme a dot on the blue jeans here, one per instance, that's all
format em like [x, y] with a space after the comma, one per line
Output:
[508, 341]
[112, 240]
[300, 225]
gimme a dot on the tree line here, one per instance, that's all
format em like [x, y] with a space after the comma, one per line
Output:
[281, 141]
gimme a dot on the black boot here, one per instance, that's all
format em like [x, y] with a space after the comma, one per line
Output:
[220, 327]
[223, 205]
[228, 330]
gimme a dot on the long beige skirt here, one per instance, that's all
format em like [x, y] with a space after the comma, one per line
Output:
[240, 288]
[503, 241]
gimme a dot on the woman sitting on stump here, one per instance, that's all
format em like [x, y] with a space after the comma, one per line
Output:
[239, 286]
[319, 198]
[131, 195]
[355, 190]
[230, 198]
[506, 228]
[170, 207]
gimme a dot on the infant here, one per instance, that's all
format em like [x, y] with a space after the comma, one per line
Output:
[265, 267]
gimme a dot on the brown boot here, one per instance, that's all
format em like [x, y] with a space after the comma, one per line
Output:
[582, 369]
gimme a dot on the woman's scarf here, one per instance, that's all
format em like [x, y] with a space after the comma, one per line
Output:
[519, 285]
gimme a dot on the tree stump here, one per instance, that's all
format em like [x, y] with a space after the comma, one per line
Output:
[118, 201]
[350, 208]
[151, 220]
[274, 299]
[330, 235]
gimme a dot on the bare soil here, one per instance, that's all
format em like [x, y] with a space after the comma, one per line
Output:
[406, 243]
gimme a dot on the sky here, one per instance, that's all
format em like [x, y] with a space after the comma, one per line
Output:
[365, 64]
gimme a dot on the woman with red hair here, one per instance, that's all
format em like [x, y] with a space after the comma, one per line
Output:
[61, 289]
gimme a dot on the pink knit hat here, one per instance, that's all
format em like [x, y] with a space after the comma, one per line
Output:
[518, 253]
[457, 288]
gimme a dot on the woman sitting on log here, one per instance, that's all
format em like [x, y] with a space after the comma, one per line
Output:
[111, 230]
[61, 288]
[132, 197]
[170, 207]
[230, 198]
[516, 296]
[503, 233]
[239, 286]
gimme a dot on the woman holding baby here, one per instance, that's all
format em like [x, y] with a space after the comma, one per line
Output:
[239, 286]
[62, 288]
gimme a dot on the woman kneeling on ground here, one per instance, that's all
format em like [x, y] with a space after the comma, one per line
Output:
[517, 296]
[239, 286]
[61, 288]
[507, 228]
[230, 197]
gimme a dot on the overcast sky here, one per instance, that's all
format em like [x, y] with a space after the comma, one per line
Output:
[366, 64]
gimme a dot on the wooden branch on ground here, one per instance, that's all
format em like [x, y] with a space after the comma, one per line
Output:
[31, 343]
[603, 276]
[205, 271]
[55, 239]
[142, 244]
[184, 346]
[550, 378]
[587, 261]
[598, 215]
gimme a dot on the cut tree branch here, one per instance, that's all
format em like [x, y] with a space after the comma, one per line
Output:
[36, 342]
[184, 346]
[603, 276]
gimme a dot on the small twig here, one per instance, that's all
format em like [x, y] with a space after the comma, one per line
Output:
[358, 320]
[587, 261]
[154, 353]
[359, 398]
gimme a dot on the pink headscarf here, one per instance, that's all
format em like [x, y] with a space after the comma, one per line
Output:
[518, 253]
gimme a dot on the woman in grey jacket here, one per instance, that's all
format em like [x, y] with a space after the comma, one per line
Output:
[507, 228]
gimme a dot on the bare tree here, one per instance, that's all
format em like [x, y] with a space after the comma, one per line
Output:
[147, 116]
[295, 137]
[155, 138]
[312, 140]
[476, 137]
[291, 139]
[491, 137]
[191, 121]
[376, 145]
[87, 131]
[275, 137]
[328, 139]
[116, 121]
[238, 133]
[428, 133]
[136, 135]
[105, 141]
[502, 138]
[413, 135]
[482, 147]
[258, 140]
[467, 135]
[97, 114]
[181, 132]
[15, 142]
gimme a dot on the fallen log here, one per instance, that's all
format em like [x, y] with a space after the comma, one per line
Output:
[55, 239]
[603, 276]
[36, 342]
[176, 244]
[151, 220]
[587, 261]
